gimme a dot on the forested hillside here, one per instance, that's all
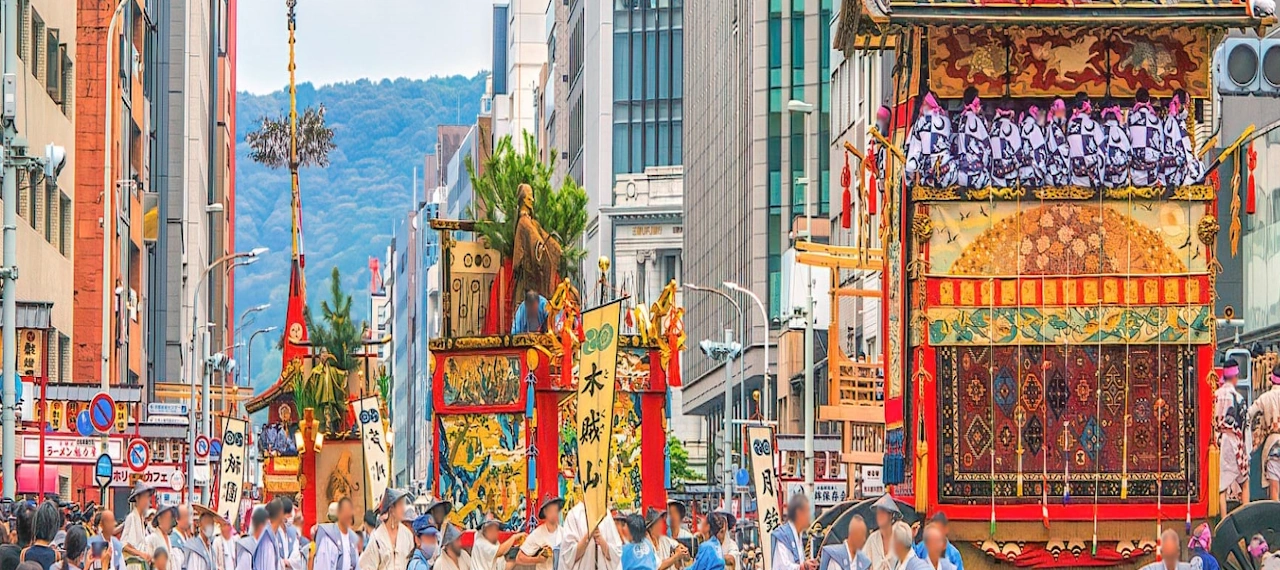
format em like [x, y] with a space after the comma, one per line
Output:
[382, 130]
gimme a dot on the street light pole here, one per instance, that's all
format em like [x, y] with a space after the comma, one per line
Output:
[764, 318]
[728, 383]
[240, 323]
[807, 109]
[249, 352]
[201, 365]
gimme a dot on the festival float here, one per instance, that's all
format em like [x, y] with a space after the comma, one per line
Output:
[1047, 239]
[505, 404]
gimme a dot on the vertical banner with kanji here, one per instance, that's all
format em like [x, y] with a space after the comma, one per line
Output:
[596, 390]
[377, 460]
[764, 465]
[235, 435]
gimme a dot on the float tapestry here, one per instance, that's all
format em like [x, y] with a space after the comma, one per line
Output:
[483, 468]
[1032, 237]
[1026, 416]
[624, 483]
[480, 380]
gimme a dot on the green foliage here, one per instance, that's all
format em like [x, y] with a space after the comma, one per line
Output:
[270, 143]
[337, 333]
[679, 456]
[561, 211]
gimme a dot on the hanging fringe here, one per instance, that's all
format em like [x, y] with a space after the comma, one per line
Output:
[846, 180]
[1215, 476]
[922, 475]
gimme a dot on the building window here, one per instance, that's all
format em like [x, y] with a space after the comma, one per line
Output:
[37, 44]
[64, 241]
[64, 358]
[670, 267]
[23, 7]
[53, 66]
[51, 202]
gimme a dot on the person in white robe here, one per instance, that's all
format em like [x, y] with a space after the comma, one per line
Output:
[161, 536]
[1006, 144]
[585, 548]
[1058, 170]
[1146, 141]
[788, 545]
[133, 532]
[198, 550]
[1033, 155]
[879, 547]
[489, 552]
[928, 147]
[1084, 145]
[971, 145]
[542, 547]
[1116, 149]
[390, 544]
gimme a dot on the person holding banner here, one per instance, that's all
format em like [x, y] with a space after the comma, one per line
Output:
[390, 543]
[336, 541]
[602, 542]
[198, 550]
[788, 548]
[710, 556]
[539, 548]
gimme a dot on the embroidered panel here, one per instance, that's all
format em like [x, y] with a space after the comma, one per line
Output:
[1031, 416]
[1071, 325]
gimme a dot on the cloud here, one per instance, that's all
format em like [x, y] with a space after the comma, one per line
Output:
[340, 40]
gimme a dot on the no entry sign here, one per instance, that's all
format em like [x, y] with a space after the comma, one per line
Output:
[137, 455]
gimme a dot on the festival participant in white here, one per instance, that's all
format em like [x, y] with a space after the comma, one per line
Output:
[487, 553]
[848, 554]
[134, 531]
[390, 543]
[539, 548]
[585, 548]
[160, 537]
[879, 546]
[452, 556]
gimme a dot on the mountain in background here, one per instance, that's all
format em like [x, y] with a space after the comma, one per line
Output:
[350, 209]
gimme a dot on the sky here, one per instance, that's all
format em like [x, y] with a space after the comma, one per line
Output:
[342, 40]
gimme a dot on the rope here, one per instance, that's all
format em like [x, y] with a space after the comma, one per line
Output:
[991, 360]
[1095, 440]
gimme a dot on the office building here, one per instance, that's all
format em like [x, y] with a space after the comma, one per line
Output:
[744, 60]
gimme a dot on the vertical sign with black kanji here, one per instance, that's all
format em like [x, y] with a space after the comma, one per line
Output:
[764, 465]
[235, 437]
[596, 389]
[377, 458]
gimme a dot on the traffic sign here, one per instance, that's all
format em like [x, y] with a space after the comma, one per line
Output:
[83, 426]
[177, 481]
[202, 447]
[102, 412]
[215, 448]
[137, 455]
[102, 470]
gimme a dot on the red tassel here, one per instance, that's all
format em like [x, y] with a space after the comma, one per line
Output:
[673, 369]
[1251, 198]
[872, 190]
[846, 179]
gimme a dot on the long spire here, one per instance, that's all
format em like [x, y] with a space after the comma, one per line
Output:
[295, 331]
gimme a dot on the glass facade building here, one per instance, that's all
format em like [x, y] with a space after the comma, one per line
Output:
[648, 84]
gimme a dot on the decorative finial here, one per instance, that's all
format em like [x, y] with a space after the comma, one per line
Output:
[604, 263]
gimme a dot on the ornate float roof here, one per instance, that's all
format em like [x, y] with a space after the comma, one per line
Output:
[855, 15]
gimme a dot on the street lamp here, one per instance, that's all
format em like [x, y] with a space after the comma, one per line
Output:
[249, 351]
[240, 324]
[724, 351]
[191, 349]
[795, 106]
[764, 318]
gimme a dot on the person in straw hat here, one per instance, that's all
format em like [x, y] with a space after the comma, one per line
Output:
[198, 549]
[166, 518]
[487, 553]
[539, 548]
[390, 543]
[133, 533]
[452, 556]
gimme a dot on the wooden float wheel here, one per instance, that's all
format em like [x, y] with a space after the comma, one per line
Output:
[1231, 536]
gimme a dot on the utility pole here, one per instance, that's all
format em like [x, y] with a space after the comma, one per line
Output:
[807, 235]
[10, 270]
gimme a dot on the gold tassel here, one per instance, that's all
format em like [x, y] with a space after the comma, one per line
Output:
[1214, 477]
[922, 476]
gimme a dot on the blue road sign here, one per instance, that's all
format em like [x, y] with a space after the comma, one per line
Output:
[137, 455]
[742, 477]
[215, 448]
[102, 469]
[83, 426]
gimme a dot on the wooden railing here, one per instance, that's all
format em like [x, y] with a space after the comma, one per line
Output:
[856, 384]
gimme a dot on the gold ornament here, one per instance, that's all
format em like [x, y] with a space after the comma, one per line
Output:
[922, 227]
[1207, 230]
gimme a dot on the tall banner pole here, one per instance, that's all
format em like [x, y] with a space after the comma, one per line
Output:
[597, 370]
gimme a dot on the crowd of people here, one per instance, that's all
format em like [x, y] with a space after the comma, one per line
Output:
[402, 535]
[1233, 419]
